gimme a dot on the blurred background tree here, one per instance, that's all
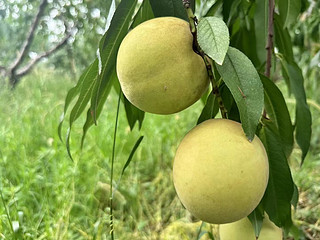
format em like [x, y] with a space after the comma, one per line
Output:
[45, 28]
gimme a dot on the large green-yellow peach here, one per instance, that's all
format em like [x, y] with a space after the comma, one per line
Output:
[220, 176]
[157, 68]
[243, 230]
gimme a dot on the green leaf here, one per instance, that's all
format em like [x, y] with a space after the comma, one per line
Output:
[85, 92]
[261, 26]
[172, 8]
[295, 196]
[282, 38]
[279, 192]
[296, 232]
[230, 9]
[133, 113]
[89, 120]
[210, 109]
[135, 147]
[244, 83]
[229, 103]
[214, 8]
[89, 80]
[278, 113]
[303, 119]
[193, 5]
[213, 38]
[256, 219]
[145, 13]
[117, 31]
[289, 11]
[72, 93]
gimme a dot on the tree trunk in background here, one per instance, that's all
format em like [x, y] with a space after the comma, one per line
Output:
[14, 72]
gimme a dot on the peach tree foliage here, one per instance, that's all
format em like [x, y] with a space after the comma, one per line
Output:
[233, 35]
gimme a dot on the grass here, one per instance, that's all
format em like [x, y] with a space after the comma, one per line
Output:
[47, 196]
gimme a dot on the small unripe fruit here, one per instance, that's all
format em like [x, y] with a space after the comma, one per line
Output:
[243, 230]
[220, 176]
[157, 68]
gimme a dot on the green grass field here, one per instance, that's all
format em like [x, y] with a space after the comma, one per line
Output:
[44, 195]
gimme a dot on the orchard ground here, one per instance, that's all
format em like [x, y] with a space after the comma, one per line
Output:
[50, 197]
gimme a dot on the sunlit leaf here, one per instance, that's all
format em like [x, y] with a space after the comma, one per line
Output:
[244, 83]
[213, 38]
[117, 31]
[85, 92]
[72, 93]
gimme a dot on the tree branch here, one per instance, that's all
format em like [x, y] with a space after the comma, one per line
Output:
[269, 46]
[26, 45]
[207, 60]
[23, 71]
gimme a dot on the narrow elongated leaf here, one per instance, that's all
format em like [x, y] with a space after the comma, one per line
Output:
[289, 11]
[244, 83]
[295, 196]
[244, 39]
[85, 92]
[229, 104]
[172, 8]
[214, 8]
[135, 147]
[133, 114]
[213, 38]
[282, 38]
[72, 93]
[145, 13]
[89, 80]
[303, 119]
[278, 113]
[279, 192]
[229, 9]
[210, 109]
[68, 143]
[260, 27]
[117, 31]
[193, 5]
[89, 120]
[256, 219]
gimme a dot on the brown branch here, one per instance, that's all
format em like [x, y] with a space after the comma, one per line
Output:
[23, 71]
[269, 46]
[26, 45]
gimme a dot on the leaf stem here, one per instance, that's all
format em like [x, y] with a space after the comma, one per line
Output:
[112, 164]
[208, 61]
